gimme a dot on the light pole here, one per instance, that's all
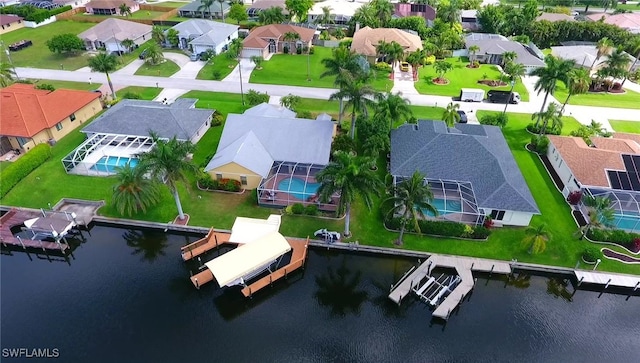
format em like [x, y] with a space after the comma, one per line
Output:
[6, 51]
[597, 263]
[513, 83]
[308, 64]
[240, 71]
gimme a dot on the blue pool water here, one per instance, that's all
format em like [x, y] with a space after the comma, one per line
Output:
[444, 207]
[108, 164]
[296, 187]
[629, 222]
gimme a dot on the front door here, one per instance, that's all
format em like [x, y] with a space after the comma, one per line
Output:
[272, 46]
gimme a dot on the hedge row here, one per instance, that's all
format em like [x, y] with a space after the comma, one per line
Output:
[629, 240]
[31, 13]
[443, 228]
[19, 169]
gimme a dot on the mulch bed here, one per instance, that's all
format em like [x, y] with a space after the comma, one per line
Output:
[181, 222]
[440, 82]
[492, 83]
[619, 256]
[579, 218]
[556, 178]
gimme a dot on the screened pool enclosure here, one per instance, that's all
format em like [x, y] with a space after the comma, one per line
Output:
[626, 206]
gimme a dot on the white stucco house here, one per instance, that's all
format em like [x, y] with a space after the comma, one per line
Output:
[200, 35]
[110, 33]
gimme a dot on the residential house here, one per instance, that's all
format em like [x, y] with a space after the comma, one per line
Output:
[366, 40]
[610, 167]
[4, 3]
[469, 20]
[31, 116]
[73, 3]
[493, 46]
[402, 10]
[10, 23]
[470, 169]
[553, 17]
[341, 11]
[195, 9]
[110, 33]
[200, 35]
[269, 39]
[628, 21]
[585, 55]
[110, 7]
[254, 150]
[259, 5]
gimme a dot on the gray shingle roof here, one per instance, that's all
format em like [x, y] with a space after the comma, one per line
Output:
[118, 28]
[137, 118]
[471, 153]
[213, 8]
[496, 46]
[267, 110]
[206, 32]
[246, 151]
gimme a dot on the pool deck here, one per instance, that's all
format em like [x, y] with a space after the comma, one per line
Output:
[281, 198]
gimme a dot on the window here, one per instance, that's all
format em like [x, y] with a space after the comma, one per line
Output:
[243, 179]
[22, 141]
[497, 215]
[218, 177]
[72, 117]
[59, 126]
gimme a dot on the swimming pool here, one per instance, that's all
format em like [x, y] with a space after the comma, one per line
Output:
[444, 207]
[629, 222]
[108, 164]
[296, 187]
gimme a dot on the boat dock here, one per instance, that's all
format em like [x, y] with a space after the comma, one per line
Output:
[212, 240]
[54, 221]
[464, 266]
[607, 279]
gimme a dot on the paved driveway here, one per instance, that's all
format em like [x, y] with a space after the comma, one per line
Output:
[130, 69]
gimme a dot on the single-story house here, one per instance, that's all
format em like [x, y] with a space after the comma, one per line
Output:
[10, 23]
[403, 10]
[553, 17]
[628, 21]
[609, 168]
[110, 7]
[469, 19]
[73, 3]
[366, 40]
[493, 46]
[585, 56]
[200, 35]
[268, 39]
[259, 5]
[116, 136]
[4, 3]
[282, 165]
[110, 33]
[194, 10]
[31, 116]
[471, 171]
[341, 11]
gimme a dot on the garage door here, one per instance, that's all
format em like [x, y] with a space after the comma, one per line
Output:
[248, 53]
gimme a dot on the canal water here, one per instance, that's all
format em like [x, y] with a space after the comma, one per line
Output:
[125, 296]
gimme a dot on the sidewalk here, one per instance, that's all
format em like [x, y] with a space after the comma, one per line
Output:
[247, 67]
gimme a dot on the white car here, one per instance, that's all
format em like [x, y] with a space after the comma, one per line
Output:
[327, 235]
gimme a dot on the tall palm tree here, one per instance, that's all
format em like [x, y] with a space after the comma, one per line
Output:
[450, 115]
[601, 213]
[515, 72]
[350, 176]
[325, 18]
[553, 115]
[578, 82]
[617, 64]
[382, 49]
[416, 58]
[128, 44]
[105, 63]
[383, 11]
[167, 162]
[473, 50]
[157, 34]
[124, 9]
[7, 74]
[604, 47]
[634, 46]
[272, 15]
[392, 107]
[134, 192]
[508, 57]
[154, 54]
[449, 12]
[205, 6]
[358, 95]
[536, 238]
[291, 37]
[410, 198]
[395, 53]
[221, 10]
[342, 59]
[556, 69]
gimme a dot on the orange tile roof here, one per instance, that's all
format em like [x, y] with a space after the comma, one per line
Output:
[588, 164]
[621, 145]
[276, 31]
[25, 111]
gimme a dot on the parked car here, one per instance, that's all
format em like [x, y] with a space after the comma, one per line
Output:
[463, 117]
[194, 57]
[327, 235]
[404, 67]
[143, 54]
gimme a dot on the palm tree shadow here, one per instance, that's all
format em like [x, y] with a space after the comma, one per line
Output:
[338, 290]
[520, 280]
[151, 244]
[558, 288]
[382, 301]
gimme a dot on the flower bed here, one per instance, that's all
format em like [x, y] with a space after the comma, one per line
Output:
[205, 182]
[626, 240]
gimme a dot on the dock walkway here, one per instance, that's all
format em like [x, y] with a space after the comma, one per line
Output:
[607, 279]
[212, 240]
[15, 217]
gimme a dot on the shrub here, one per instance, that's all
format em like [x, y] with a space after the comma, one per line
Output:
[255, 98]
[297, 208]
[311, 210]
[207, 55]
[217, 119]
[205, 181]
[21, 168]
[298, 50]
[590, 254]
[45, 86]
[481, 232]
[574, 197]
[635, 245]
[304, 114]
[430, 60]
[344, 143]
[130, 95]
[216, 75]
[623, 238]
[488, 222]
[285, 50]
[231, 185]
[532, 128]
[442, 228]
[312, 50]
[496, 119]
[540, 144]
[383, 66]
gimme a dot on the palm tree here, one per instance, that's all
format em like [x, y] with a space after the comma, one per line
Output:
[358, 95]
[157, 34]
[326, 18]
[556, 69]
[395, 52]
[634, 46]
[442, 67]
[128, 44]
[205, 6]
[392, 107]
[604, 47]
[272, 15]
[551, 114]
[578, 82]
[416, 59]
[617, 64]
[449, 12]
[134, 192]
[450, 116]
[167, 162]
[350, 176]
[221, 10]
[343, 59]
[536, 238]
[154, 54]
[382, 49]
[410, 198]
[473, 50]
[105, 63]
[383, 11]
[125, 10]
[290, 37]
[601, 213]
[7, 74]
[508, 57]
[515, 72]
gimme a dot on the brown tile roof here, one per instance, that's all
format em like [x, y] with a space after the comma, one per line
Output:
[366, 39]
[628, 136]
[276, 31]
[26, 111]
[588, 164]
[9, 19]
[620, 145]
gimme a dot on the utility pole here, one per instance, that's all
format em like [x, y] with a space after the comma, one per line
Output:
[240, 71]
[513, 83]
[308, 64]
[6, 51]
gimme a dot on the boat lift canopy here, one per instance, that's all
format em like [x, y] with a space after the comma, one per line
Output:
[54, 226]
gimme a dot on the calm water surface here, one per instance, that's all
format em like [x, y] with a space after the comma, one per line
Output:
[126, 297]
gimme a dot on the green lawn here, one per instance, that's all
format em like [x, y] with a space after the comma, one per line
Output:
[146, 93]
[85, 86]
[224, 103]
[140, 14]
[629, 99]
[217, 68]
[169, 4]
[164, 69]
[291, 70]
[462, 77]
[626, 126]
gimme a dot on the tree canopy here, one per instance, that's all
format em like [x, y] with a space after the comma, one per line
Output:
[65, 43]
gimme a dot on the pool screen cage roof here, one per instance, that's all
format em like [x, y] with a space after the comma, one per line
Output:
[457, 191]
[82, 158]
[626, 206]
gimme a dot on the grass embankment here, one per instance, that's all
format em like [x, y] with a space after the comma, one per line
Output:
[217, 68]
[626, 126]
[165, 69]
[145, 93]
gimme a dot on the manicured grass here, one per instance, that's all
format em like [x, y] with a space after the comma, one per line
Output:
[146, 93]
[165, 69]
[169, 4]
[629, 99]
[85, 86]
[626, 126]
[291, 70]
[224, 103]
[462, 77]
[217, 68]
[140, 14]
